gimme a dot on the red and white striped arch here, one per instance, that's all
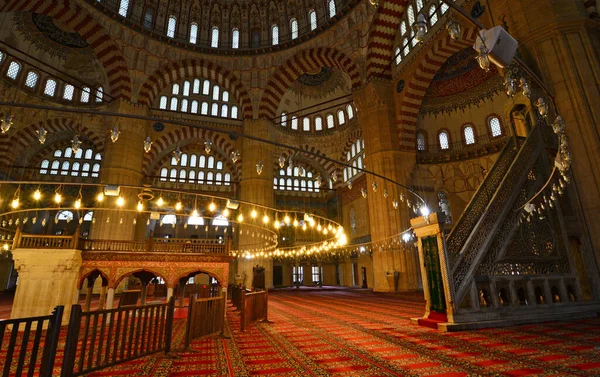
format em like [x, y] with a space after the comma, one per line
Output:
[24, 138]
[291, 70]
[380, 45]
[416, 86]
[190, 69]
[72, 15]
[167, 143]
[354, 135]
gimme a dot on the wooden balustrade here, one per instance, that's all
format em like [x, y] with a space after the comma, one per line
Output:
[206, 317]
[254, 308]
[151, 245]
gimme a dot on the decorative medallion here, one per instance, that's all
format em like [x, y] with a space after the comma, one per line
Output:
[46, 25]
[316, 79]
[400, 86]
[158, 127]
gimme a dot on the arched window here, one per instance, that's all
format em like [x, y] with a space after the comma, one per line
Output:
[495, 126]
[318, 123]
[68, 92]
[194, 33]
[204, 108]
[13, 70]
[433, 18]
[171, 26]
[85, 94]
[350, 111]
[444, 8]
[149, 18]
[312, 17]
[196, 89]
[184, 105]
[194, 108]
[186, 88]
[65, 162]
[123, 7]
[214, 110]
[225, 96]
[284, 119]
[294, 28]
[421, 145]
[275, 35]
[224, 111]
[50, 88]
[1, 56]
[44, 167]
[341, 117]
[410, 14]
[32, 79]
[355, 156]
[406, 45]
[469, 135]
[220, 221]
[444, 140]
[413, 40]
[419, 5]
[206, 87]
[64, 215]
[330, 121]
[169, 219]
[214, 40]
[163, 103]
[175, 89]
[332, 11]
[215, 95]
[99, 94]
[235, 38]
[294, 122]
[306, 124]
[403, 28]
[195, 220]
[234, 112]
[174, 103]
[398, 55]
[164, 173]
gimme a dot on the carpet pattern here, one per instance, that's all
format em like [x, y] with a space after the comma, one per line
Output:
[358, 333]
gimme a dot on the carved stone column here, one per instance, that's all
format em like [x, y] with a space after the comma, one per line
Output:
[376, 115]
[256, 188]
[47, 278]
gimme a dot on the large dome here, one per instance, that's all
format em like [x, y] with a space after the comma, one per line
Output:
[229, 26]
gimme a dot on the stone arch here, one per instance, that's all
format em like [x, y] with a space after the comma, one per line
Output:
[71, 14]
[419, 81]
[27, 136]
[380, 44]
[324, 164]
[163, 144]
[201, 271]
[305, 60]
[177, 71]
[104, 275]
[117, 279]
[354, 135]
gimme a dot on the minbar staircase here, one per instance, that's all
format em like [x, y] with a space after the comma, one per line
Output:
[495, 270]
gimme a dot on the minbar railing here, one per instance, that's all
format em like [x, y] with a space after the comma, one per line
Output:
[150, 245]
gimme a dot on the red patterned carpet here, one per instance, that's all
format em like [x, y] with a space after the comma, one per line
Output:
[358, 333]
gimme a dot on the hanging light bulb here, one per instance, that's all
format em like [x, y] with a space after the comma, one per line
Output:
[454, 29]
[319, 181]
[57, 197]
[75, 144]
[265, 219]
[253, 214]
[140, 206]
[44, 222]
[226, 212]
[6, 122]
[100, 197]
[259, 167]
[483, 58]
[375, 186]
[208, 146]
[281, 161]
[15, 202]
[542, 107]
[114, 134]
[295, 223]
[235, 156]
[177, 154]
[301, 171]
[212, 207]
[363, 191]
[120, 201]
[420, 28]
[425, 211]
[402, 197]
[147, 144]
[334, 176]
[291, 163]
[526, 87]
[350, 184]
[37, 194]
[178, 206]
[42, 133]
[77, 203]
[395, 204]
[559, 125]
[195, 213]
[510, 86]
[240, 218]
[160, 202]
[386, 193]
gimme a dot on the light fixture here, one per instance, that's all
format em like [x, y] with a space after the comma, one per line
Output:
[5, 123]
[265, 219]
[510, 86]
[75, 144]
[406, 236]
[526, 87]
[140, 206]
[542, 107]
[178, 206]
[147, 144]
[454, 29]
[114, 134]
[226, 212]
[420, 28]
[42, 133]
[57, 197]
[253, 214]
[395, 204]
[15, 202]
[77, 203]
[177, 154]
[259, 167]
[212, 207]
[100, 197]
[375, 186]
[286, 220]
[334, 175]
[319, 181]
[291, 163]
[295, 223]
[160, 201]
[363, 191]
[349, 184]
[281, 161]
[483, 58]
[425, 211]
[385, 193]
[235, 156]
[195, 213]
[240, 218]
[301, 171]
[37, 194]
[120, 201]
[208, 146]
[276, 224]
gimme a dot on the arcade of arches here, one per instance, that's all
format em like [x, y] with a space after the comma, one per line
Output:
[370, 112]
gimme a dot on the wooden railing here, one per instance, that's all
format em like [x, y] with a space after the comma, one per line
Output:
[206, 317]
[254, 308]
[156, 245]
[102, 338]
[23, 354]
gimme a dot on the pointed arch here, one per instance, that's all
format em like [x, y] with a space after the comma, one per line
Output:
[163, 145]
[26, 137]
[75, 17]
[418, 83]
[354, 135]
[324, 164]
[304, 61]
[175, 72]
